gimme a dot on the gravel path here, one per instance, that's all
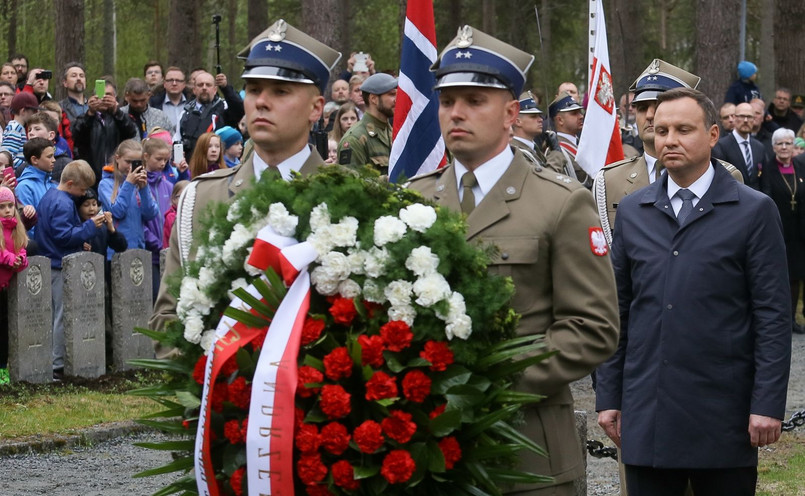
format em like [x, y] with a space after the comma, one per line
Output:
[105, 469]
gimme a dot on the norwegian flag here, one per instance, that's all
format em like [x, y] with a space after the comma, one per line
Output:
[417, 145]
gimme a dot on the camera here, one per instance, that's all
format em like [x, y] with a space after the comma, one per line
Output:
[135, 164]
[216, 18]
[45, 75]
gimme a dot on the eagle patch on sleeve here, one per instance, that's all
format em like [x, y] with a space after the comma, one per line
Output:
[598, 243]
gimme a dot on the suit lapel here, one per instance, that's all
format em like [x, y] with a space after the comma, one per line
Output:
[494, 206]
[447, 190]
[242, 178]
[312, 164]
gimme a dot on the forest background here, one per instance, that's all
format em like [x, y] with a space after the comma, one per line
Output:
[703, 36]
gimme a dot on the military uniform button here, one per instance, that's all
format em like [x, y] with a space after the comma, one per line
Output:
[510, 190]
[676, 253]
[504, 256]
[238, 182]
[669, 307]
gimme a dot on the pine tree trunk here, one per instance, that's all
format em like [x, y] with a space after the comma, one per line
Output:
[717, 42]
[258, 17]
[184, 39]
[489, 17]
[789, 57]
[625, 33]
[109, 37]
[768, 40]
[69, 31]
[322, 21]
[11, 6]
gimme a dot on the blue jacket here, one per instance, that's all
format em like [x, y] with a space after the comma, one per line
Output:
[131, 209]
[32, 185]
[705, 326]
[60, 231]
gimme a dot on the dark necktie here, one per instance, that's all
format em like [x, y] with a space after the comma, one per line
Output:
[273, 173]
[747, 157]
[468, 197]
[687, 204]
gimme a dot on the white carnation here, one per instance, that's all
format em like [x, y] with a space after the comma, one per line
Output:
[236, 284]
[405, 313]
[249, 268]
[191, 298]
[213, 235]
[399, 293]
[349, 289]
[356, 259]
[281, 221]
[455, 307]
[372, 292]
[418, 217]
[321, 241]
[345, 233]
[202, 253]
[206, 277]
[234, 212]
[324, 283]
[422, 261]
[193, 327]
[207, 340]
[336, 265]
[431, 289]
[240, 237]
[460, 327]
[319, 217]
[388, 229]
[375, 262]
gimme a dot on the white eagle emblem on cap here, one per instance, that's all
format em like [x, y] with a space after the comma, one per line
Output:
[654, 67]
[276, 32]
[464, 37]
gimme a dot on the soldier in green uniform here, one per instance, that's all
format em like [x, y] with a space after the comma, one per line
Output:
[528, 126]
[547, 232]
[369, 141]
[619, 179]
[286, 75]
[568, 119]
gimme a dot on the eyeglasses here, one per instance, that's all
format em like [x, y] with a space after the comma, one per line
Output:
[784, 143]
[174, 81]
[727, 116]
[744, 117]
[151, 73]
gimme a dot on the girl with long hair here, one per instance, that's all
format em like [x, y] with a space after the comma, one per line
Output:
[207, 156]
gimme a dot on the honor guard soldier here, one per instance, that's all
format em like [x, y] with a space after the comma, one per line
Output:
[619, 179]
[549, 242]
[528, 126]
[568, 119]
[286, 74]
[369, 141]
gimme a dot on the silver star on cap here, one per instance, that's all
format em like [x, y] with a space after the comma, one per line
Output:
[466, 55]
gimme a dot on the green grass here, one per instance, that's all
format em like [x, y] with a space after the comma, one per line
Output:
[63, 408]
[781, 468]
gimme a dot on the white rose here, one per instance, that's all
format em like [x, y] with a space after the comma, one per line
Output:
[376, 260]
[281, 221]
[388, 229]
[319, 217]
[372, 292]
[460, 327]
[399, 293]
[345, 233]
[193, 327]
[349, 289]
[431, 289]
[324, 284]
[418, 217]
[207, 340]
[336, 264]
[236, 284]
[405, 313]
[422, 261]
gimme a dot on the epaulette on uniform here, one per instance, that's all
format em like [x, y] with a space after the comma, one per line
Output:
[625, 161]
[554, 177]
[216, 174]
[436, 172]
[730, 168]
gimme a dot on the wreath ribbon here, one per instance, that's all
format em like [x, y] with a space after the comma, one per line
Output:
[269, 437]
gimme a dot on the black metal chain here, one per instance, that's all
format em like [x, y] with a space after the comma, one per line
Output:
[598, 450]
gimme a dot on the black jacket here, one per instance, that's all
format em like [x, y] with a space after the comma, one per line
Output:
[96, 137]
[227, 111]
[729, 150]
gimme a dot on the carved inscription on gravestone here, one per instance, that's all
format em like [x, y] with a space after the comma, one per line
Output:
[84, 314]
[30, 325]
[131, 306]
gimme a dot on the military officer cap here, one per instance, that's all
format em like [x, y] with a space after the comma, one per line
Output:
[284, 53]
[798, 101]
[473, 58]
[563, 103]
[528, 105]
[661, 76]
[379, 83]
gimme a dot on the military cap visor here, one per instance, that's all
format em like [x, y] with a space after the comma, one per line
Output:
[660, 76]
[529, 106]
[477, 79]
[564, 103]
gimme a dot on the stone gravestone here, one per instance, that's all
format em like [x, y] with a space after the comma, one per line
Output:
[131, 306]
[30, 326]
[83, 298]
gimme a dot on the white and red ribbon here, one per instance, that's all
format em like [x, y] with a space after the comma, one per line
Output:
[269, 439]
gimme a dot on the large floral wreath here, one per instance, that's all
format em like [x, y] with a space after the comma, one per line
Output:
[402, 348]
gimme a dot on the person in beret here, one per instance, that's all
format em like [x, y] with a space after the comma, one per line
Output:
[369, 141]
[286, 75]
[547, 235]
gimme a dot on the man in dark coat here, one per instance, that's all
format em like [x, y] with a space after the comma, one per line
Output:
[207, 111]
[742, 150]
[700, 376]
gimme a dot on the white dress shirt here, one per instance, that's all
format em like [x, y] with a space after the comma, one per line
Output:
[699, 188]
[487, 174]
[651, 165]
[292, 163]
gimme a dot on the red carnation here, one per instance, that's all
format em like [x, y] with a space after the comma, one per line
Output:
[437, 411]
[338, 364]
[318, 490]
[451, 451]
[244, 428]
[416, 386]
[368, 436]
[236, 481]
[397, 335]
[310, 469]
[344, 476]
[229, 367]
[298, 417]
[381, 386]
[334, 401]
[308, 375]
[343, 311]
[233, 433]
[371, 308]
[200, 369]
[398, 467]
[399, 426]
[335, 438]
[219, 395]
[307, 439]
[438, 354]
[311, 330]
[371, 350]
[240, 393]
